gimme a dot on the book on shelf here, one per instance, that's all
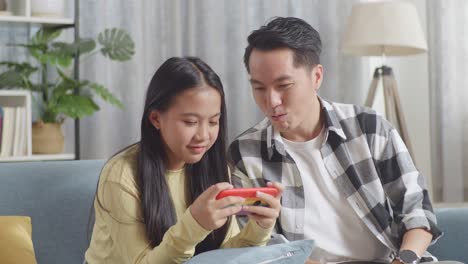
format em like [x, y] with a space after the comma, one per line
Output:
[1, 126]
[23, 146]
[13, 132]
[19, 135]
[17, 131]
[7, 131]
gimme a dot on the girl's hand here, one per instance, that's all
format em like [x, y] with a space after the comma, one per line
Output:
[266, 216]
[212, 214]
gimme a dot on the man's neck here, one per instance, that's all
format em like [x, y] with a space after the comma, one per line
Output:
[309, 129]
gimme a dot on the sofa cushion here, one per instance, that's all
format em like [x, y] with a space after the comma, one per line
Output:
[16, 245]
[292, 252]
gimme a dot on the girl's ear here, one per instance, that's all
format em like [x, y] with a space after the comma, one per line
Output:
[155, 119]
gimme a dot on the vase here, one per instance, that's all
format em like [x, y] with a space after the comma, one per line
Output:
[3, 5]
[4, 8]
[47, 8]
[47, 138]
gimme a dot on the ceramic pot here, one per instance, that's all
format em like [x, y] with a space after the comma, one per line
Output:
[47, 138]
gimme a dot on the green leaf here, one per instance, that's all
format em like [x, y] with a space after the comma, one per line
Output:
[72, 82]
[9, 64]
[45, 35]
[17, 75]
[81, 46]
[56, 53]
[106, 95]
[37, 46]
[76, 106]
[11, 79]
[65, 77]
[62, 53]
[57, 57]
[21, 67]
[84, 45]
[117, 44]
[60, 90]
[49, 116]
[34, 87]
[39, 55]
[65, 86]
[59, 54]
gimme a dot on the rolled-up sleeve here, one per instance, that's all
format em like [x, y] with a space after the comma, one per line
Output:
[405, 187]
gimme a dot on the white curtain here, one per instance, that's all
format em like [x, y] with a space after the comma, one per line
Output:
[448, 69]
[213, 30]
[216, 31]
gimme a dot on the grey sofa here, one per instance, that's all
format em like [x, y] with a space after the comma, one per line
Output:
[58, 196]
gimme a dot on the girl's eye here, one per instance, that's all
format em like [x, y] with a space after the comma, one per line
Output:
[284, 86]
[214, 123]
[190, 123]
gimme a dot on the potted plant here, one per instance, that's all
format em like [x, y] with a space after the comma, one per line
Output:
[63, 96]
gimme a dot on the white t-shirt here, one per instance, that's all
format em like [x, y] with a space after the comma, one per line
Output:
[339, 233]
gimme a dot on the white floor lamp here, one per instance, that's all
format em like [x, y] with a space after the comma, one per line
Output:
[388, 28]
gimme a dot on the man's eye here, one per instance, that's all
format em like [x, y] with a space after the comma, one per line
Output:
[286, 85]
[259, 88]
[190, 123]
[214, 123]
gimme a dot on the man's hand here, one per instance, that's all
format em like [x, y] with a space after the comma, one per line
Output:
[416, 240]
[266, 216]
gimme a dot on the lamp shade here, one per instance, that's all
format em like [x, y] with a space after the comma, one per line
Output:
[390, 27]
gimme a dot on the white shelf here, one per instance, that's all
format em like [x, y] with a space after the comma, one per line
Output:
[18, 99]
[14, 98]
[37, 157]
[21, 11]
[37, 20]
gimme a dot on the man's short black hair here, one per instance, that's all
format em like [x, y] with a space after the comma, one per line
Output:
[287, 32]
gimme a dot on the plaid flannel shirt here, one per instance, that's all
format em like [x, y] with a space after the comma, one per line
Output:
[367, 160]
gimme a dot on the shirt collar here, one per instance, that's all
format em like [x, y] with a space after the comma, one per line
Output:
[332, 124]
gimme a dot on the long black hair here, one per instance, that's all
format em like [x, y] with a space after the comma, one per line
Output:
[172, 78]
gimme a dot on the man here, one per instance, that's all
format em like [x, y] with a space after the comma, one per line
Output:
[350, 183]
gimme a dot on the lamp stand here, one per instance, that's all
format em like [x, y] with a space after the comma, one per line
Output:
[393, 108]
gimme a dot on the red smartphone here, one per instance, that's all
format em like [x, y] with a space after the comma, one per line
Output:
[249, 194]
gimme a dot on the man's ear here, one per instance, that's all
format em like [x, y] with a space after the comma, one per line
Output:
[317, 75]
[155, 119]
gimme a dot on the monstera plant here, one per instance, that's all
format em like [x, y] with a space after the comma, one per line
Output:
[62, 95]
